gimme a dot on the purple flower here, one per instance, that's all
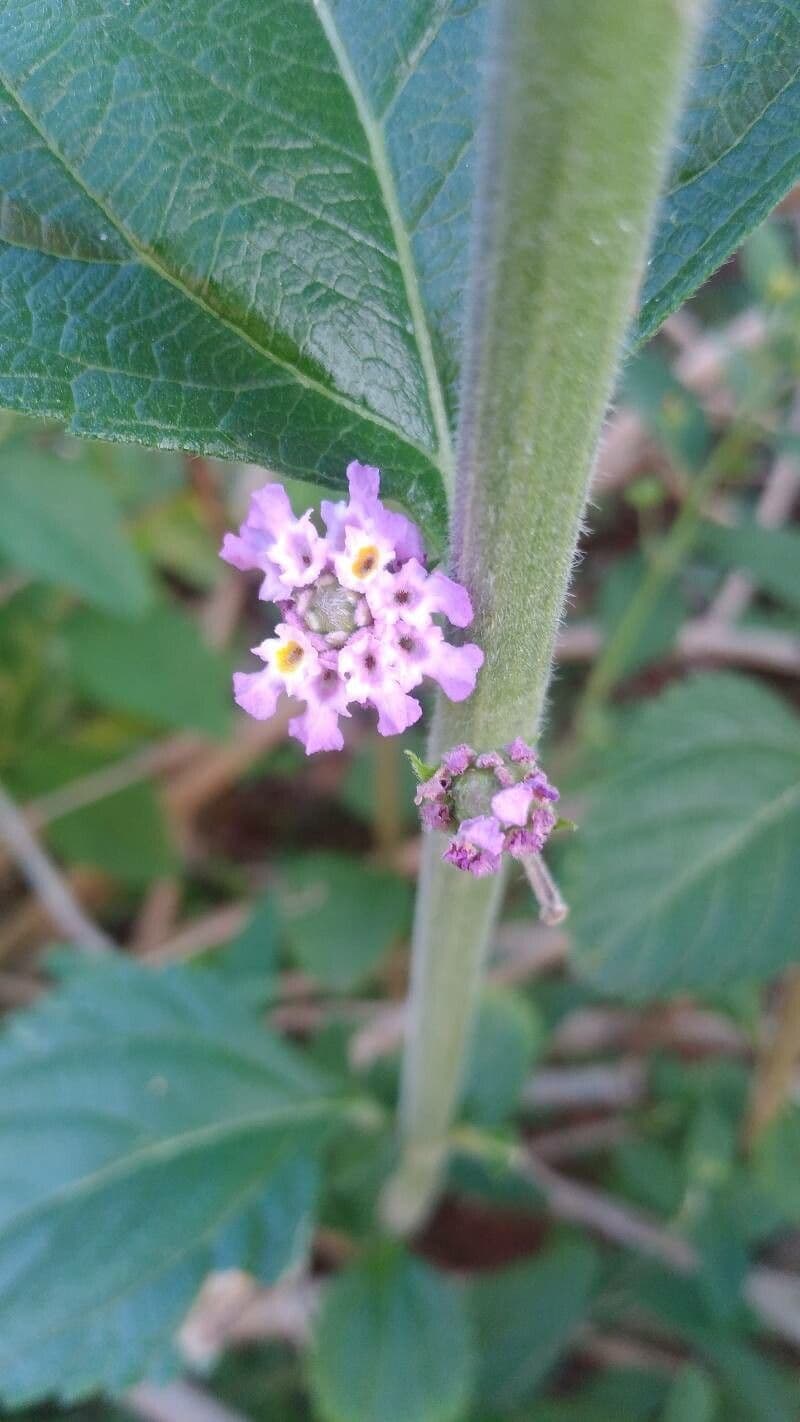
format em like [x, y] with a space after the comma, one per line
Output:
[366, 664]
[515, 819]
[419, 652]
[476, 846]
[357, 614]
[532, 838]
[299, 553]
[413, 596]
[365, 555]
[435, 788]
[434, 815]
[326, 700]
[455, 761]
[520, 751]
[540, 786]
[365, 511]
[291, 664]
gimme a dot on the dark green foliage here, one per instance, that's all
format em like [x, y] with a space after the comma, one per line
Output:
[679, 876]
[392, 1342]
[341, 917]
[525, 1318]
[738, 149]
[115, 1208]
[313, 308]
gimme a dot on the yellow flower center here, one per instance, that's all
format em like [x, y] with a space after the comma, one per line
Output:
[365, 561]
[288, 657]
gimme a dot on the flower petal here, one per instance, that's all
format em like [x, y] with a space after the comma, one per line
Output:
[396, 711]
[449, 598]
[257, 693]
[483, 831]
[455, 668]
[512, 805]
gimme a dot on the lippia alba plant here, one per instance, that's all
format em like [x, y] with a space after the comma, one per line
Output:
[332, 237]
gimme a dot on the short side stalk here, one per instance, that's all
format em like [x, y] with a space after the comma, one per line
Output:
[580, 107]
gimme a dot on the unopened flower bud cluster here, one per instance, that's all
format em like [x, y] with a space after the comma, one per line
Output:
[493, 804]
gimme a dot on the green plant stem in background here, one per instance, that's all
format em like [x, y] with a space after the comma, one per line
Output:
[581, 101]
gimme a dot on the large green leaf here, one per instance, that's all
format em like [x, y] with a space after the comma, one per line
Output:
[240, 228]
[684, 873]
[142, 1116]
[391, 1344]
[738, 150]
[243, 228]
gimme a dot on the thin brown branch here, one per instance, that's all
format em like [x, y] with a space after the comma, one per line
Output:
[584, 1138]
[615, 1084]
[48, 882]
[233, 1308]
[618, 1350]
[681, 1026]
[24, 926]
[202, 933]
[218, 767]
[150, 760]
[579, 1204]
[222, 610]
[147, 762]
[775, 1073]
[178, 1402]
[700, 640]
[701, 366]
[156, 916]
[772, 1294]
[774, 506]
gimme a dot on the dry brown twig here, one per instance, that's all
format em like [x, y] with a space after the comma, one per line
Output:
[179, 1401]
[47, 881]
[775, 1078]
[781, 488]
[700, 640]
[615, 1084]
[156, 915]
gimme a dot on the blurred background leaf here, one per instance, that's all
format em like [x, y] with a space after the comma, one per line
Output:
[678, 878]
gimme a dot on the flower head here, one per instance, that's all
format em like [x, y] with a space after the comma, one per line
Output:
[499, 802]
[357, 613]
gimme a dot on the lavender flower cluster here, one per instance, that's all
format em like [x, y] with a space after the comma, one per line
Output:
[357, 609]
[496, 803]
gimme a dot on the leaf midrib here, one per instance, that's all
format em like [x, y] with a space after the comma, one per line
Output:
[148, 258]
[761, 820]
[373, 131]
[217, 1132]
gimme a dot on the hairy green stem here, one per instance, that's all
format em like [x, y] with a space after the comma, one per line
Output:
[580, 106]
